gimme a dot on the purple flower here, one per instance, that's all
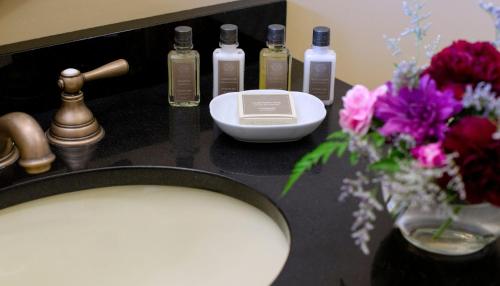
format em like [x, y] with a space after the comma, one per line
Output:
[421, 112]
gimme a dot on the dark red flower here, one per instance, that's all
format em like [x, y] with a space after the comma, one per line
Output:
[465, 63]
[479, 158]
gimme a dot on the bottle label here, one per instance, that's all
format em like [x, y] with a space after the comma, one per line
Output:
[184, 81]
[319, 79]
[277, 74]
[229, 76]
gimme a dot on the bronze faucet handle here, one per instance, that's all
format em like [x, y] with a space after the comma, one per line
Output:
[112, 69]
[71, 80]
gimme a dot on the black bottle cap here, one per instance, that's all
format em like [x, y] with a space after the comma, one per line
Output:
[321, 36]
[183, 36]
[276, 34]
[229, 34]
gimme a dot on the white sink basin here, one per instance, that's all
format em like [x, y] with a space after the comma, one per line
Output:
[140, 235]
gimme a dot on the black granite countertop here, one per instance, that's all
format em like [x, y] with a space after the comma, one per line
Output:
[142, 130]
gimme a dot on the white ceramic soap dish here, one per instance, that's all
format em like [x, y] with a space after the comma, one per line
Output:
[310, 113]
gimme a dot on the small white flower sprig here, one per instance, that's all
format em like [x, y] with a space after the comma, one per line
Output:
[495, 13]
[419, 26]
[407, 70]
[482, 98]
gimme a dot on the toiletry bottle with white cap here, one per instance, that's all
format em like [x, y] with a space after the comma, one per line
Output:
[319, 66]
[228, 62]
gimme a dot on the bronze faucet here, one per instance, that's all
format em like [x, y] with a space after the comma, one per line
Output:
[74, 124]
[21, 136]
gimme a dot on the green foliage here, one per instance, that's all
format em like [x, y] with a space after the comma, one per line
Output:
[354, 158]
[341, 147]
[338, 135]
[377, 139]
[388, 164]
[397, 154]
[376, 124]
[442, 228]
[402, 149]
[337, 144]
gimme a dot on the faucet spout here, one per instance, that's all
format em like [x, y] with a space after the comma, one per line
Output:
[21, 136]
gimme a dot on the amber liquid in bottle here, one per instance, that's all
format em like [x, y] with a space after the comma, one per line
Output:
[275, 68]
[275, 62]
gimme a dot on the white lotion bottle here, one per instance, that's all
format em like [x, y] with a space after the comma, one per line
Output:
[228, 62]
[319, 66]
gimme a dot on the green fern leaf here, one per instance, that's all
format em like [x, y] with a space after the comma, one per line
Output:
[322, 152]
[338, 135]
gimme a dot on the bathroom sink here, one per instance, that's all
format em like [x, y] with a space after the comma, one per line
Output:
[139, 226]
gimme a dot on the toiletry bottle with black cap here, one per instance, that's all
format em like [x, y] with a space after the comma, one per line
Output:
[228, 62]
[183, 70]
[319, 66]
[275, 60]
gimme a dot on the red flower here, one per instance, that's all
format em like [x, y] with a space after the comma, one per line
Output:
[479, 158]
[465, 63]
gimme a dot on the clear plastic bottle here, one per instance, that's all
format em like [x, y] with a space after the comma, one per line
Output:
[275, 61]
[183, 70]
[319, 66]
[228, 62]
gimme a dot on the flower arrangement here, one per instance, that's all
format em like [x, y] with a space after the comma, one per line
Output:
[430, 136]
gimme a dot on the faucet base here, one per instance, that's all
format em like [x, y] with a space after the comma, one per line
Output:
[74, 124]
[9, 158]
[75, 141]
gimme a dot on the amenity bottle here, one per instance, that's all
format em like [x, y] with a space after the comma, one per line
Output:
[183, 70]
[275, 61]
[228, 62]
[319, 66]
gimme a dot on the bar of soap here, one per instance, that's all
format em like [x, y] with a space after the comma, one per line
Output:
[266, 108]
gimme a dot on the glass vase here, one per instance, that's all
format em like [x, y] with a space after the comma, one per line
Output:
[475, 227]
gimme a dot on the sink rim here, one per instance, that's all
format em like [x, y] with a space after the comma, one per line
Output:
[56, 184]
[51, 185]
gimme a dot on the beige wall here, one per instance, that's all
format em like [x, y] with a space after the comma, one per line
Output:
[358, 27]
[22, 20]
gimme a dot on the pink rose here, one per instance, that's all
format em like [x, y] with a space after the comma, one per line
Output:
[430, 155]
[356, 116]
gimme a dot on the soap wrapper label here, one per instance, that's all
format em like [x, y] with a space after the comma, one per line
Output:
[184, 80]
[277, 74]
[229, 76]
[320, 79]
[266, 109]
